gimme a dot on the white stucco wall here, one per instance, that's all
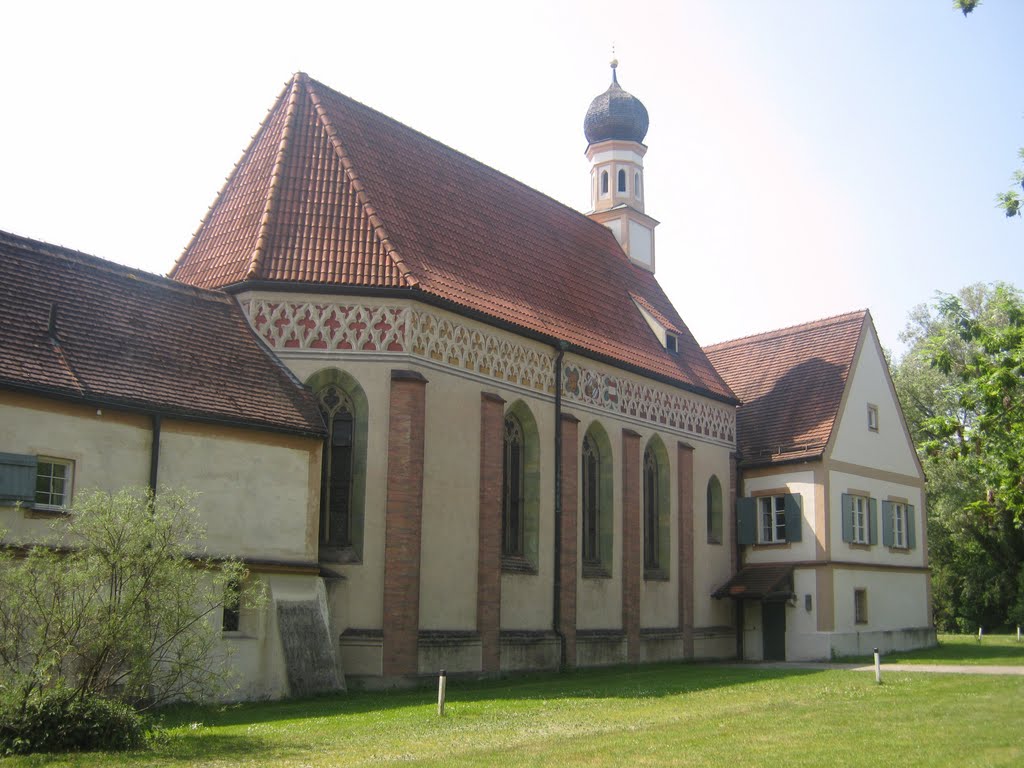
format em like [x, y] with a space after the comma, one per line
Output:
[712, 563]
[889, 448]
[882, 490]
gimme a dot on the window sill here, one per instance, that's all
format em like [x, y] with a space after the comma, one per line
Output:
[517, 564]
[236, 635]
[45, 513]
[343, 555]
[773, 545]
[716, 542]
[655, 574]
[596, 571]
[863, 546]
[900, 550]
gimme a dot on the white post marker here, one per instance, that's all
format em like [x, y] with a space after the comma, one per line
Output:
[979, 634]
[878, 667]
[442, 682]
[1018, 633]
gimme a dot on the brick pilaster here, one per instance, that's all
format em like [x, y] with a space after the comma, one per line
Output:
[403, 523]
[684, 483]
[488, 580]
[632, 563]
[570, 536]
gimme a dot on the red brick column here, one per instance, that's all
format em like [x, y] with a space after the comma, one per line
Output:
[570, 536]
[684, 483]
[632, 564]
[403, 523]
[488, 580]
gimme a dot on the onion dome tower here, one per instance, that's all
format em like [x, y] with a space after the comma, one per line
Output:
[615, 127]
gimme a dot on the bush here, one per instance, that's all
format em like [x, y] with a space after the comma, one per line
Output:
[59, 720]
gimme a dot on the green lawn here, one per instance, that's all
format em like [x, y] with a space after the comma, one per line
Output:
[672, 714]
[1000, 650]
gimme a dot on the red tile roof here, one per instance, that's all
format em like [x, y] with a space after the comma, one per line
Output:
[129, 339]
[790, 383]
[331, 192]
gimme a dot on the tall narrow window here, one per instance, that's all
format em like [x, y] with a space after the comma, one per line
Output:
[337, 467]
[513, 486]
[591, 501]
[714, 511]
[604, 182]
[622, 181]
[651, 509]
[636, 185]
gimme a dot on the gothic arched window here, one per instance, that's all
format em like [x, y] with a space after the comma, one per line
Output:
[652, 507]
[513, 489]
[622, 180]
[336, 530]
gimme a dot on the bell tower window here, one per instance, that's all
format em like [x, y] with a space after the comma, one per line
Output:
[604, 182]
[622, 180]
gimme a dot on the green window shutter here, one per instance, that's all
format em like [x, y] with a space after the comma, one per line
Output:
[17, 477]
[746, 520]
[794, 517]
[873, 521]
[887, 538]
[911, 540]
[847, 517]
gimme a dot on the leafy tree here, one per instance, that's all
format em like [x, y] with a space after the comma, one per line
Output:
[123, 602]
[961, 384]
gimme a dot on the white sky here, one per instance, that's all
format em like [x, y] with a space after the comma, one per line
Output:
[805, 158]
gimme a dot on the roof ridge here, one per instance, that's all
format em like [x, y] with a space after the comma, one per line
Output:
[270, 206]
[379, 230]
[819, 323]
[52, 250]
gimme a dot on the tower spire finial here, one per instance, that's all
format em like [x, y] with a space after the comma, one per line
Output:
[614, 65]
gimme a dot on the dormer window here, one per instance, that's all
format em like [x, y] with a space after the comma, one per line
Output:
[622, 181]
[672, 343]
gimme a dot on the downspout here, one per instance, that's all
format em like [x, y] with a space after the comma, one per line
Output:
[556, 608]
[154, 454]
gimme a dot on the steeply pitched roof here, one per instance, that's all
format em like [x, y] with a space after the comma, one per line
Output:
[333, 193]
[790, 383]
[81, 328]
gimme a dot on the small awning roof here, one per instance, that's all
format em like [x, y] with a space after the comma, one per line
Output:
[759, 582]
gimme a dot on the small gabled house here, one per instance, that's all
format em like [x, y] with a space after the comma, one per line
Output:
[830, 514]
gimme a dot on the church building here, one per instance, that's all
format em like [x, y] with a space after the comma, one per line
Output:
[450, 422]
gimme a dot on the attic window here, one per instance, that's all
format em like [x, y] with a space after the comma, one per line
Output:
[672, 343]
[873, 417]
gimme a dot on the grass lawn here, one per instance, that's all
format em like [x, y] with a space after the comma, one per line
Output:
[670, 714]
[1000, 650]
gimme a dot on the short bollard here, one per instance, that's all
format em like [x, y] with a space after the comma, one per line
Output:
[979, 634]
[878, 667]
[442, 682]
[1018, 633]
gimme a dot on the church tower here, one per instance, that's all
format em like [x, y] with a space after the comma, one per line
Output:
[615, 126]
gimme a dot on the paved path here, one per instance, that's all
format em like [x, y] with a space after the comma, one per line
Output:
[956, 669]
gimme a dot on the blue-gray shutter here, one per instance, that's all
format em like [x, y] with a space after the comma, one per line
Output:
[911, 539]
[873, 521]
[847, 517]
[887, 537]
[746, 520]
[17, 477]
[794, 517]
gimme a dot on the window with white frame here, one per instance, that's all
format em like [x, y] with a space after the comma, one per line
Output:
[53, 483]
[899, 525]
[859, 510]
[873, 417]
[771, 519]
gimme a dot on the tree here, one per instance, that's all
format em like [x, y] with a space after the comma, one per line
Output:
[122, 603]
[961, 384]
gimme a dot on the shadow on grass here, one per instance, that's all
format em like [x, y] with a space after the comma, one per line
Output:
[622, 682]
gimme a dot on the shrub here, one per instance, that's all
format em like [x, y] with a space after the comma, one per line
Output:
[59, 720]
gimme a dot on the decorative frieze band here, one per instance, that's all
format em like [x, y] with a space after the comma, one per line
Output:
[328, 327]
